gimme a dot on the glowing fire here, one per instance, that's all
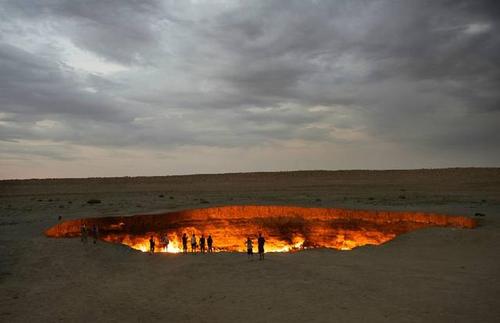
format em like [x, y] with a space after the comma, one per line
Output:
[142, 243]
[284, 228]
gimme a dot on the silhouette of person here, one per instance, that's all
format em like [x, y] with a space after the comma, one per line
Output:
[184, 243]
[209, 243]
[249, 245]
[261, 241]
[84, 233]
[151, 245]
[193, 243]
[95, 232]
[202, 244]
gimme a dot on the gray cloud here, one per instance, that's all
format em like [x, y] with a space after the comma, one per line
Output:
[32, 85]
[121, 30]
[420, 74]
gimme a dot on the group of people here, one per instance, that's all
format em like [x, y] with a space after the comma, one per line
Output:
[85, 232]
[205, 244]
[209, 243]
[203, 241]
[260, 247]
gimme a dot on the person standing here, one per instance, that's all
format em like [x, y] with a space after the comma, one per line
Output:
[83, 233]
[202, 243]
[193, 243]
[261, 241]
[209, 243]
[95, 232]
[249, 248]
[151, 245]
[184, 243]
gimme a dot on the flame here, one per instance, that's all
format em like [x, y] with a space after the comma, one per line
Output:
[141, 243]
[224, 243]
[227, 240]
[286, 229]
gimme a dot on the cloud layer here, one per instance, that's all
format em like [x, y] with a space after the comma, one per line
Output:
[88, 85]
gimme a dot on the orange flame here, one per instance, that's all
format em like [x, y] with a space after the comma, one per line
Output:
[285, 228]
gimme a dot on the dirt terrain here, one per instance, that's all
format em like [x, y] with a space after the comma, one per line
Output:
[429, 275]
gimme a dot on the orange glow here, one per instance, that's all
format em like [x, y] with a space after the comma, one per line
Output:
[285, 228]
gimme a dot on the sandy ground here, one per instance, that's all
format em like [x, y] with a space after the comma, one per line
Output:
[430, 275]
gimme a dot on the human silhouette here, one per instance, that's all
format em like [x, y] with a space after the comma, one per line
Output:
[249, 245]
[83, 233]
[165, 242]
[202, 244]
[193, 243]
[261, 241]
[151, 245]
[184, 243]
[95, 232]
[209, 243]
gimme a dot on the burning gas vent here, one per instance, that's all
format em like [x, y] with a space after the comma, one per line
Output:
[286, 228]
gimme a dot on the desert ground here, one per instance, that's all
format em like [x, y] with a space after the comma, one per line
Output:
[428, 275]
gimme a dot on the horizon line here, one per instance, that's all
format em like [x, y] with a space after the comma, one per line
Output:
[253, 172]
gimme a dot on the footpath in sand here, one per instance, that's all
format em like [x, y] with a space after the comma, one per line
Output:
[428, 275]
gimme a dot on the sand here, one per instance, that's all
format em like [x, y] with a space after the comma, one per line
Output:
[429, 275]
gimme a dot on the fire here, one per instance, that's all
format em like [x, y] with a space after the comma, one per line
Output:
[231, 240]
[141, 243]
[285, 228]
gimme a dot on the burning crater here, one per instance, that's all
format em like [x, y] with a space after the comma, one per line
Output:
[286, 228]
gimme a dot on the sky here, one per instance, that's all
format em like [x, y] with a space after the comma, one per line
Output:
[143, 87]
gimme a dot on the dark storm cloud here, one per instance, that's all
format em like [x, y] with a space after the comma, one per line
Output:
[419, 73]
[33, 86]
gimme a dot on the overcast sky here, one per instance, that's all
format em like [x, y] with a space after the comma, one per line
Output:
[138, 87]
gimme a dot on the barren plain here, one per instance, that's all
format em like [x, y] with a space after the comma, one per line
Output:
[429, 275]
